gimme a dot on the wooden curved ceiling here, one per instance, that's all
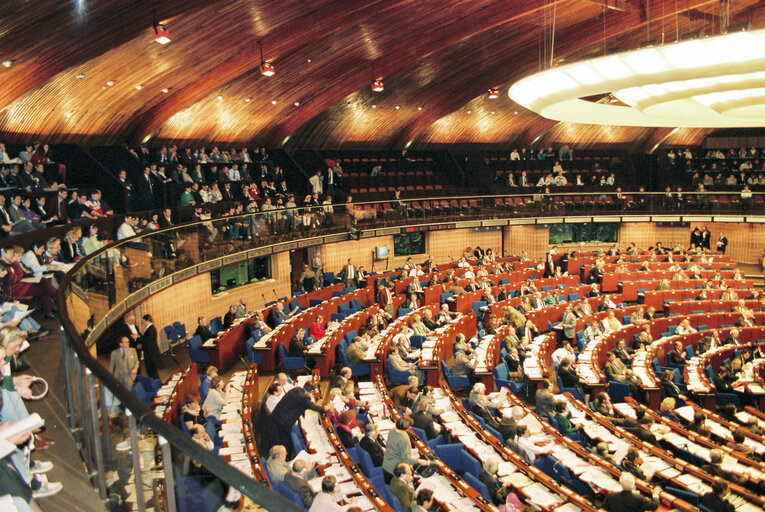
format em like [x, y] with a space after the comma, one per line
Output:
[437, 57]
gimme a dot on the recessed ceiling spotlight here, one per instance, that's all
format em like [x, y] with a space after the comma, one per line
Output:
[247, 100]
[419, 108]
[515, 112]
[492, 112]
[165, 90]
[80, 76]
[273, 102]
[220, 97]
[7, 63]
[309, 61]
[493, 93]
[469, 111]
[68, 115]
[110, 83]
[297, 103]
[397, 107]
[138, 87]
[374, 106]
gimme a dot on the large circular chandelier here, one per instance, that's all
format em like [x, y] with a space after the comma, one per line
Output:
[716, 82]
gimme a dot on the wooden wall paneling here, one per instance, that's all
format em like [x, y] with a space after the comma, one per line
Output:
[189, 299]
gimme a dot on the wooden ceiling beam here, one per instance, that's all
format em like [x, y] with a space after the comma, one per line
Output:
[84, 40]
[409, 52]
[574, 38]
[277, 43]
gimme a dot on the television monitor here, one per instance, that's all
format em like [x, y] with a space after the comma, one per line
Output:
[381, 252]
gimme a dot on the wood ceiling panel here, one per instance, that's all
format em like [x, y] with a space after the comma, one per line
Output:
[439, 55]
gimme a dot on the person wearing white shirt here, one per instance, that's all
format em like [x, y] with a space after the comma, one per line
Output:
[126, 228]
[528, 445]
[514, 155]
[234, 175]
[563, 352]
[275, 395]
[462, 263]
[285, 382]
[468, 274]
[31, 260]
[325, 500]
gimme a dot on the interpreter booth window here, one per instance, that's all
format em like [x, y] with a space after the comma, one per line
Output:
[590, 232]
[409, 244]
[240, 274]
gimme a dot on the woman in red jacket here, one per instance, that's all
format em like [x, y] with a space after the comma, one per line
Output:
[14, 287]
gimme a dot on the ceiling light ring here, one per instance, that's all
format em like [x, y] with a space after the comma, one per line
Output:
[651, 101]
[549, 98]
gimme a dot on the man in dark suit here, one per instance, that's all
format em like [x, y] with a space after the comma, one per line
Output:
[145, 190]
[348, 274]
[203, 331]
[425, 421]
[544, 399]
[628, 500]
[295, 481]
[291, 407]
[373, 444]
[715, 500]
[152, 356]
[670, 388]
[505, 428]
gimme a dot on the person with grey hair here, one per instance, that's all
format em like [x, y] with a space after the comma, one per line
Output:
[627, 500]
[276, 464]
[488, 476]
[373, 444]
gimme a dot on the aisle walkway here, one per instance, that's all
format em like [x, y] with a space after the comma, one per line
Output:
[44, 356]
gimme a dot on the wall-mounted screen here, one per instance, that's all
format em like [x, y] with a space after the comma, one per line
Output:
[381, 252]
[409, 244]
[240, 274]
[594, 232]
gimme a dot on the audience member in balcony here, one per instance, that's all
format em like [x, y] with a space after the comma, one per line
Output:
[13, 286]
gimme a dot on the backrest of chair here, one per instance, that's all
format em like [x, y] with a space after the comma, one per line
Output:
[470, 464]
[477, 485]
[195, 343]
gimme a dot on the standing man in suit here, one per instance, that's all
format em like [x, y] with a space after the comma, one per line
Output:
[123, 364]
[145, 190]
[291, 407]
[544, 399]
[348, 274]
[152, 356]
[569, 323]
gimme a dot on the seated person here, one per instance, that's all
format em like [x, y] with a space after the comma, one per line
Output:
[677, 355]
[684, 328]
[568, 375]
[529, 446]
[349, 435]
[398, 363]
[622, 352]
[667, 409]
[216, 398]
[464, 366]
[498, 490]
[195, 418]
[373, 443]
[563, 417]
[203, 329]
[632, 462]
[610, 323]
[423, 420]
[715, 500]
[318, 328]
